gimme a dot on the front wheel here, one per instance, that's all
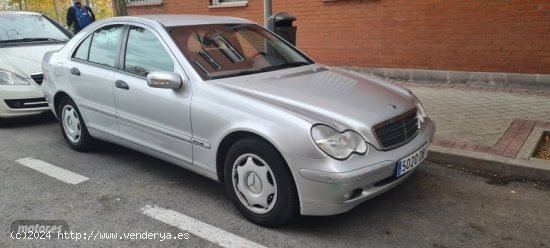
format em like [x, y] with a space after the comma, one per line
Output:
[259, 183]
[72, 126]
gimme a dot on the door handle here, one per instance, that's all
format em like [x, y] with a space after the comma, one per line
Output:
[75, 71]
[122, 85]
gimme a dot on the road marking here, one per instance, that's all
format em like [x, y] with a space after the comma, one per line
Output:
[52, 170]
[196, 227]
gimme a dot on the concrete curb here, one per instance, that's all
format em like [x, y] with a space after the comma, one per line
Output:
[531, 169]
[486, 79]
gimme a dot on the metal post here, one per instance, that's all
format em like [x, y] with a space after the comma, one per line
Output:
[267, 11]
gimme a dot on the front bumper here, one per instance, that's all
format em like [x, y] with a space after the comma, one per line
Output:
[327, 186]
[21, 100]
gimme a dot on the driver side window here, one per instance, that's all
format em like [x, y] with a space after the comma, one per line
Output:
[145, 53]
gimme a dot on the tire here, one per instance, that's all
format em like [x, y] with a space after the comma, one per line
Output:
[73, 127]
[268, 197]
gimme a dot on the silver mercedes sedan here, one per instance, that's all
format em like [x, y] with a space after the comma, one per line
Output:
[227, 99]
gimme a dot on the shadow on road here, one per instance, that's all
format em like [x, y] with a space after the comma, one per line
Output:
[392, 204]
[36, 120]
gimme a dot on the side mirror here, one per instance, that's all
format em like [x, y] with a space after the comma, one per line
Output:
[164, 80]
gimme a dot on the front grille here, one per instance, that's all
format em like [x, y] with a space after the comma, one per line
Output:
[397, 131]
[38, 78]
[27, 103]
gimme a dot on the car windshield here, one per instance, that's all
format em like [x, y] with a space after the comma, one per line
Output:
[228, 50]
[26, 28]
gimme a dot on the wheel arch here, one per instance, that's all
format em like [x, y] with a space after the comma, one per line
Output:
[233, 137]
[57, 100]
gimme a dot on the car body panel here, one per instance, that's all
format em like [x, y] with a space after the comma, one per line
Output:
[328, 96]
[93, 93]
[25, 59]
[156, 118]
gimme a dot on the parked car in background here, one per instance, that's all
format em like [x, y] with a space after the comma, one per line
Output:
[230, 100]
[24, 39]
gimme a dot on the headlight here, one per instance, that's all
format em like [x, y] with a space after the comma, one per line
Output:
[10, 78]
[338, 145]
[420, 109]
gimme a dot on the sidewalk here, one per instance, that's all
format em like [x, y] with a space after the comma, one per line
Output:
[487, 129]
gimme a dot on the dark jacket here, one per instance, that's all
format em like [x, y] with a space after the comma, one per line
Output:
[73, 21]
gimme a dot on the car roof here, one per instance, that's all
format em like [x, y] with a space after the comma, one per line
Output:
[172, 20]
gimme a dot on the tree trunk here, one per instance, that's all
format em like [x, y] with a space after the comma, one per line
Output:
[120, 6]
[56, 10]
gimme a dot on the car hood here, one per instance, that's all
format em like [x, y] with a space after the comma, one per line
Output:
[25, 60]
[341, 99]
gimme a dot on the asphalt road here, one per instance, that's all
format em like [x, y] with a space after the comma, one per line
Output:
[435, 207]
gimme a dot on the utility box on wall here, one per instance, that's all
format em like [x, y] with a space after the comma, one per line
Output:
[281, 24]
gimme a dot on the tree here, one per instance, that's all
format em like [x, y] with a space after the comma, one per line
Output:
[120, 6]
[19, 3]
[102, 8]
[4, 5]
[57, 9]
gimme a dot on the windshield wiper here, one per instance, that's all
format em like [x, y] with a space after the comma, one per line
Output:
[286, 65]
[233, 74]
[31, 40]
[255, 70]
[258, 70]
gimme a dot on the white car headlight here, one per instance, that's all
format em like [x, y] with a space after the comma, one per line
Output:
[338, 145]
[420, 109]
[11, 78]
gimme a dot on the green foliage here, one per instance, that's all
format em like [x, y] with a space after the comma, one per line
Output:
[57, 9]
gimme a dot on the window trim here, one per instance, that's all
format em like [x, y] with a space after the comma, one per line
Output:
[217, 4]
[124, 44]
[131, 3]
[87, 61]
[58, 26]
[73, 55]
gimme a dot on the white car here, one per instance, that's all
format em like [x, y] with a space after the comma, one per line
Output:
[24, 39]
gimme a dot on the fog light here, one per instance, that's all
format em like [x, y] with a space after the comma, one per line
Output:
[353, 194]
[346, 196]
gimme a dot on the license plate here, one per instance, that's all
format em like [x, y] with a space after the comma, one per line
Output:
[410, 162]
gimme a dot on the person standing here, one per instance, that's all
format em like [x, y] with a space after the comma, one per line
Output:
[79, 16]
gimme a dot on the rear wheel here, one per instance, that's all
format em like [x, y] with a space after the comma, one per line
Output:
[259, 183]
[72, 126]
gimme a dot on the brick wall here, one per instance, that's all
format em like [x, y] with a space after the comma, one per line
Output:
[462, 35]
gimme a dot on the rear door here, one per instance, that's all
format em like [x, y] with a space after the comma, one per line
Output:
[158, 119]
[91, 72]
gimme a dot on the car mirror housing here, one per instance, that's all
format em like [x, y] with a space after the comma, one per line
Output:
[164, 80]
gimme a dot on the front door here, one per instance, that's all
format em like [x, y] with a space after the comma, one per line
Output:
[157, 119]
